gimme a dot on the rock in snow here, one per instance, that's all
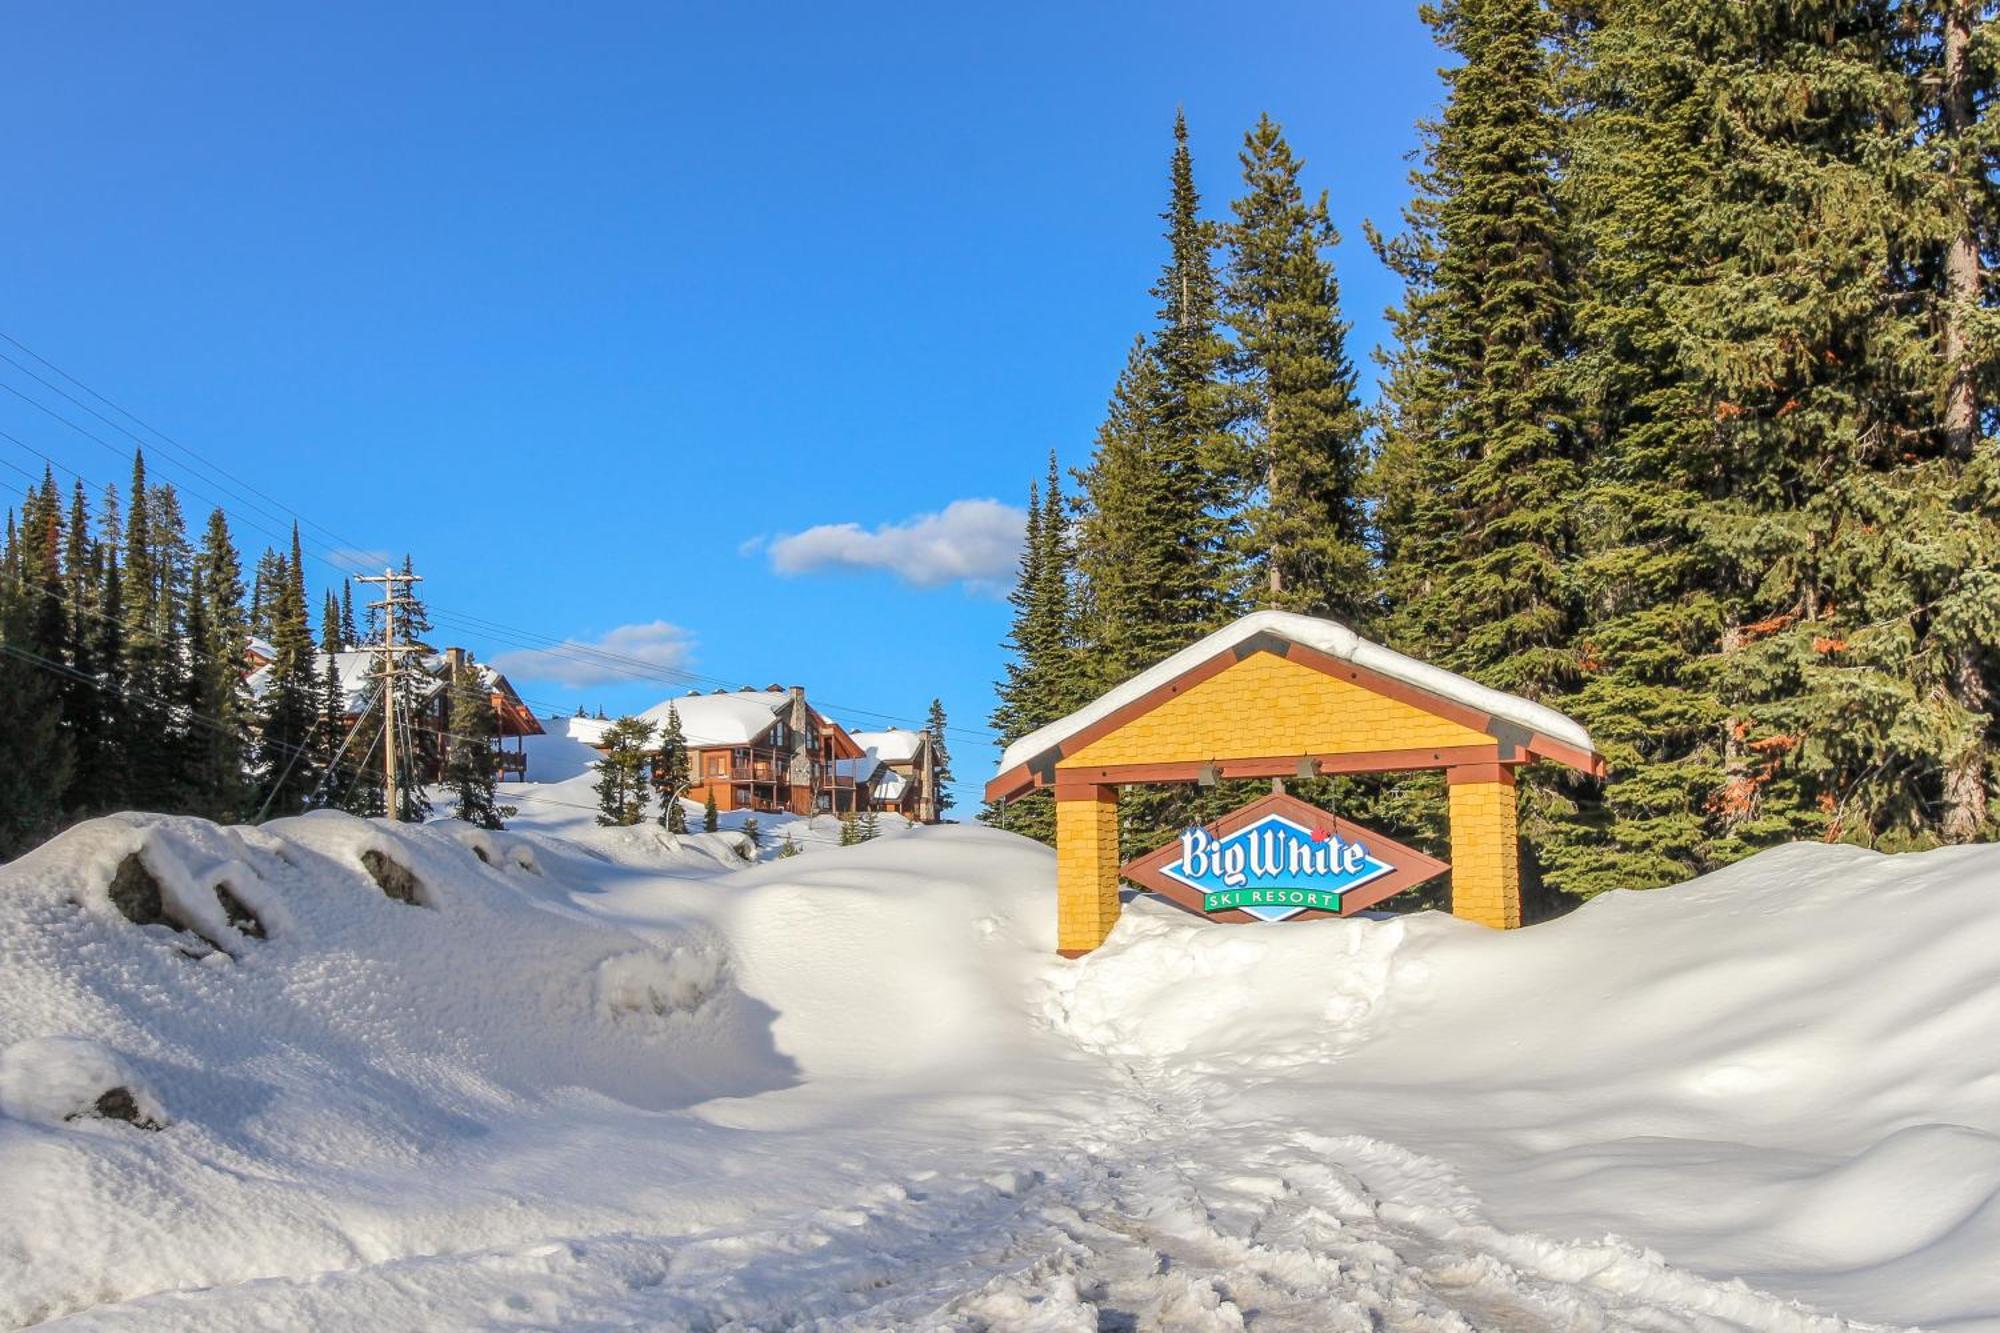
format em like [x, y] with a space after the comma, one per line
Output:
[439, 1077]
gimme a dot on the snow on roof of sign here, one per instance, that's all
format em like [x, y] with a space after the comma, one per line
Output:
[1326, 636]
[894, 746]
[734, 718]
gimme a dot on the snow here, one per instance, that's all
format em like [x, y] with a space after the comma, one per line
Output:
[1326, 636]
[611, 1078]
[894, 746]
[732, 717]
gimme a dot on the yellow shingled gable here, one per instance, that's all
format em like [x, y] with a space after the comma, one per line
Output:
[1268, 705]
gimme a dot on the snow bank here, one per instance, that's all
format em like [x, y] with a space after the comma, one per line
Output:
[618, 1081]
[1786, 1070]
[359, 1036]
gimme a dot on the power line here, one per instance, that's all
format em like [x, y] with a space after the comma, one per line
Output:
[634, 668]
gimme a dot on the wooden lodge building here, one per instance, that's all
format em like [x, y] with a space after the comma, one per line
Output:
[360, 672]
[771, 750]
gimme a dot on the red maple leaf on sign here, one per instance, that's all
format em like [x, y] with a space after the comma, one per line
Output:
[1321, 834]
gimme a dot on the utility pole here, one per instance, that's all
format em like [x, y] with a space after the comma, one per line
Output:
[393, 596]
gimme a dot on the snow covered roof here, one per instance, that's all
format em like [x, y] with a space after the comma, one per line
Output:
[860, 769]
[359, 674]
[735, 718]
[894, 746]
[1326, 636]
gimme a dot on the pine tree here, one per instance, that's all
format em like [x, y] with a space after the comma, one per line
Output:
[148, 746]
[850, 828]
[350, 636]
[1306, 526]
[218, 638]
[290, 712]
[621, 773]
[1193, 406]
[753, 838]
[1480, 459]
[940, 756]
[329, 743]
[104, 783]
[1043, 678]
[1144, 548]
[83, 690]
[868, 827]
[413, 627]
[34, 750]
[711, 818]
[671, 773]
[265, 587]
[471, 768]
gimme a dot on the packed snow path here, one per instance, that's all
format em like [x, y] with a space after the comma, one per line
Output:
[613, 1079]
[1154, 1219]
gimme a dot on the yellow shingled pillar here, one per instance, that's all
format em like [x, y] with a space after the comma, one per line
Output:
[1485, 851]
[1086, 866]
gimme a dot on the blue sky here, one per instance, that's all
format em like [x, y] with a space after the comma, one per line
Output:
[614, 315]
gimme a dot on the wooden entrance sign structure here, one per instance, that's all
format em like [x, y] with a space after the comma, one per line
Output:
[1276, 695]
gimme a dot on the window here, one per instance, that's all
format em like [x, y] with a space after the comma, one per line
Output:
[718, 765]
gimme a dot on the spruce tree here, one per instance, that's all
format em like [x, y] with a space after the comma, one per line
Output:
[218, 641]
[350, 636]
[472, 768]
[1649, 584]
[1480, 459]
[940, 756]
[671, 773]
[329, 744]
[1302, 424]
[265, 586]
[1043, 678]
[621, 773]
[1145, 553]
[34, 750]
[84, 713]
[148, 744]
[290, 712]
[711, 818]
[104, 783]
[413, 627]
[1193, 406]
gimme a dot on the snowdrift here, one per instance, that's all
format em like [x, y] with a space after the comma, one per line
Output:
[1788, 1070]
[327, 1024]
[442, 1077]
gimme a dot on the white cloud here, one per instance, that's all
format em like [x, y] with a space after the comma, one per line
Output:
[656, 644]
[975, 542]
